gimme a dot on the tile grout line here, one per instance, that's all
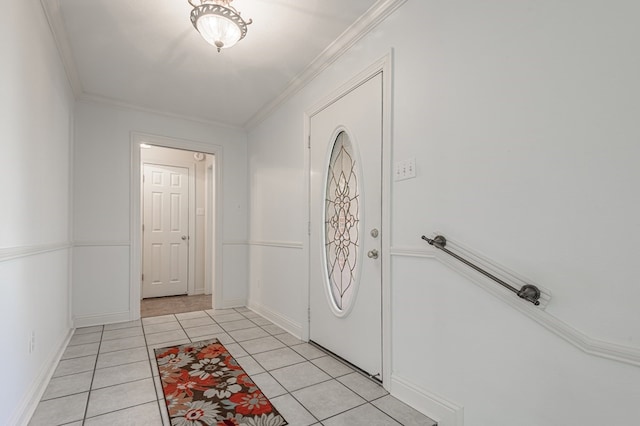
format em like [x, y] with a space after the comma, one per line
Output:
[239, 343]
[287, 392]
[348, 409]
[93, 372]
[388, 414]
[286, 344]
[95, 369]
[93, 376]
[155, 388]
[331, 378]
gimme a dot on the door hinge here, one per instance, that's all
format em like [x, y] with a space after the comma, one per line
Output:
[309, 142]
[143, 227]
[144, 178]
[308, 228]
[142, 277]
[309, 314]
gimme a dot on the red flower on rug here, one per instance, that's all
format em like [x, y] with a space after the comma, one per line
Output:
[255, 403]
[185, 383]
[198, 413]
[170, 351]
[244, 380]
[204, 386]
[212, 351]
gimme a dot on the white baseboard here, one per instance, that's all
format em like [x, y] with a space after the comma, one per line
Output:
[230, 303]
[280, 320]
[434, 406]
[29, 403]
[101, 319]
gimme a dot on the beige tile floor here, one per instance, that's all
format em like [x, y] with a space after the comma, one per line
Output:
[108, 375]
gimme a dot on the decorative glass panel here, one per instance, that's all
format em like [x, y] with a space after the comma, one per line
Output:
[342, 218]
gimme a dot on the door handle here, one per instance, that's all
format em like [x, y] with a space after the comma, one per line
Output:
[184, 238]
[373, 254]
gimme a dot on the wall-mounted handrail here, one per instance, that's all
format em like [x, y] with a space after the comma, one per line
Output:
[528, 292]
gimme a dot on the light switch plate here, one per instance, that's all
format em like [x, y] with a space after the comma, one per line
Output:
[405, 169]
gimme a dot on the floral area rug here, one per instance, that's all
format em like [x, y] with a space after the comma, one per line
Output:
[203, 385]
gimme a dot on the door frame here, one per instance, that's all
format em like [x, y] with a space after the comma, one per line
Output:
[384, 66]
[191, 249]
[135, 217]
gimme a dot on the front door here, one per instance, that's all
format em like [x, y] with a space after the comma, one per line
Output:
[165, 230]
[346, 214]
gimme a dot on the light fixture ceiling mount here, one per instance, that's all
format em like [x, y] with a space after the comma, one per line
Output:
[219, 23]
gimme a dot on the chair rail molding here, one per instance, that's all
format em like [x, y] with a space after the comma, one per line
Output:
[277, 244]
[590, 345]
[426, 253]
[235, 243]
[101, 243]
[11, 253]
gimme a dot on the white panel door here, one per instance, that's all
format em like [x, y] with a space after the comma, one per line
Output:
[346, 213]
[165, 230]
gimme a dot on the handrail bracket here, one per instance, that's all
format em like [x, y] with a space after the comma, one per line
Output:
[528, 292]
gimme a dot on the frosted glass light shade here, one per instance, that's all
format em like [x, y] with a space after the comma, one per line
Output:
[218, 30]
[218, 22]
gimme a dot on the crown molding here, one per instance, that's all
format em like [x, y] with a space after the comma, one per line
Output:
[374, 16]
[98, 99]
[56, 24]
[51, 10]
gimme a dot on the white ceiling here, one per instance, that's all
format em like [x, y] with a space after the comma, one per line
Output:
[146, 53]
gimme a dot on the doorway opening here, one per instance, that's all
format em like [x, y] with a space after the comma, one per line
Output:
[174, 243]
[174, 266]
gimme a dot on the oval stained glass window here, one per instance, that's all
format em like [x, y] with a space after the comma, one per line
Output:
[342, 219]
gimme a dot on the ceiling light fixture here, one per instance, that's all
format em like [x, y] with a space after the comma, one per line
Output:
[218, 22]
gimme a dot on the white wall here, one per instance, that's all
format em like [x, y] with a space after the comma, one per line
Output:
[276, 222]
[36, 113]
[102, 205]
[522, 117]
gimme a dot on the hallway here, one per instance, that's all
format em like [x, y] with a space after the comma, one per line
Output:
[108, 374]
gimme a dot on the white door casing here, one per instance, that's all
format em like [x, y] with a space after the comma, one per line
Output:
[342, 235]
[165, 230]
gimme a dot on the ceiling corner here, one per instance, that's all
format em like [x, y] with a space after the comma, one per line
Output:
[54, 18]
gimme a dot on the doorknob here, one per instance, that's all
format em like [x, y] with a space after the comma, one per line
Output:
[374, 233]
[184, 238]
[373, 254]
